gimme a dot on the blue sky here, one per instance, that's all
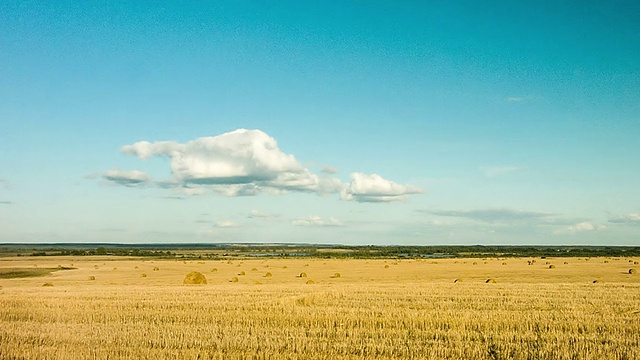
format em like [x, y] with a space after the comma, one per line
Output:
[378, 122]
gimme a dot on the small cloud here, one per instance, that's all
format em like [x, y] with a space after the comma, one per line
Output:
[580, 227]
[5, 202]
[631, 218]
[226, 224]
[496, 171]
[517, 99]
[316, 221]
[330, 170]
[375, 188]
[126, 178]
[255, 214]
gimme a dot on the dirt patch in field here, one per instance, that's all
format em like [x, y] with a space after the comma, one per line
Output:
[16, 273]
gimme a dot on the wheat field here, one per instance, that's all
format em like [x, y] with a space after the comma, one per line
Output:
[342, 309]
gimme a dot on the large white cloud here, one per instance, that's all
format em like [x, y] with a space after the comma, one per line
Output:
[375, 188]
[241, 162]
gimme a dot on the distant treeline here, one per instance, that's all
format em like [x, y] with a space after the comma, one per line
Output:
[218, 251]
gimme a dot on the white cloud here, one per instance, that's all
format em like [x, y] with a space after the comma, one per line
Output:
[375, 188]
[580, 227]
[256, 214]
[238, 163]
[517, 99]
[495, 171]
[226, 224]
[631, 218]
[126, 178]
[316, 221]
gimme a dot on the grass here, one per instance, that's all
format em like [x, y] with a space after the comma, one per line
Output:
[411, 310]
[14, 273]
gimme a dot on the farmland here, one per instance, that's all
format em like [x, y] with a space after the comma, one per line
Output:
[131, 307]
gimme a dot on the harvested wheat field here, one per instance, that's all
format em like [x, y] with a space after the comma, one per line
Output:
[374, 309]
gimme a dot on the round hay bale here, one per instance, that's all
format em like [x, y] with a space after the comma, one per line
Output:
[254, 269]
[309, 282]
[635, 263]
[95, 266]
[155, 268]
[268, 274]
[143, 275]
[552, 266]
[475, 263]
[242, 273]
[302, 275]
[386, 266]
[234, 279]
[632, 271]
[566, 263]
[214, 270]
[504, 263]
[596, 281]
[490, 281]
[47, 284]
[606, 261]
[284, 267]
[136, 267]
[457, 280]
[336, 275]
[194, 278]
[114, 269]
[92, 277]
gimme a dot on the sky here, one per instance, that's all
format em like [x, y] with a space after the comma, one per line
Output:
[333, 122]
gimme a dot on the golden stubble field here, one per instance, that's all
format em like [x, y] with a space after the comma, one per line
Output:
[121, 308]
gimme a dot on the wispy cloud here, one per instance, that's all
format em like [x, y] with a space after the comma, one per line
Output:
[517, 99]
[495, 215]
[631, 218]
[6, 202]
[316, 221]
[256, 214]
[330, 170]
[126, 178]
[226, 224]
[375, 188]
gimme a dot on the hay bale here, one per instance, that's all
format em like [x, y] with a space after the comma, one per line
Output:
[194, 278]
[95, 266]
[504, 263]
[386, 266]
[490, 281]
[457, 280]
[552, 266]
[242, 273]
[47, 284]
[92, 277]
[114, 269]
[302, 275]
[214, 270]
[155, 268]
[566, 263]
[309, 282]
[632, 271]
[606, 261]
[234, 279]
[336, 275]
[268, 274]
[475, 263]
[284, 267]
[635, 263]
[254, 269]
[596, 281]
[143, 275]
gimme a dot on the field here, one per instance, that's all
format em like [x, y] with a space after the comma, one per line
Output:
[115, 307]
